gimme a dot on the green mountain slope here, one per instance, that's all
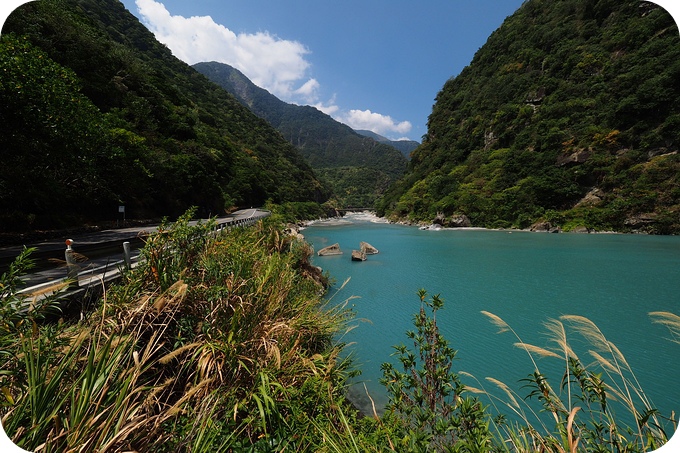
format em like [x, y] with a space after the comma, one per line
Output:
[404, 146]
[96, 113]
[359, 168]
[570, 113]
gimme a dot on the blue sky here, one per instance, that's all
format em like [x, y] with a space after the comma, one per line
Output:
[372, 64]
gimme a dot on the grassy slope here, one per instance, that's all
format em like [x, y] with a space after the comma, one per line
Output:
[211, 341]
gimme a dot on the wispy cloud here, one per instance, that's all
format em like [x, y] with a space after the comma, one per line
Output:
[277, 65]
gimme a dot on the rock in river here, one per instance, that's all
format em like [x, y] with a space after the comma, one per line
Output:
[367, 248]
[330, 250]
[358, 255]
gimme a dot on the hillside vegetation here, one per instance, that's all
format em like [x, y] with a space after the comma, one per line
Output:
[358, 168]
[569, 114]
[96, 113]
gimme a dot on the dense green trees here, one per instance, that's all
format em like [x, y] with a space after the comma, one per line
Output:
[564, 98]
[49, 128]
[96, 113]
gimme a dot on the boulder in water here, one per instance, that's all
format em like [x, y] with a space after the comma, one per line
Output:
[367, 248]
[358, 255]
[330, 250]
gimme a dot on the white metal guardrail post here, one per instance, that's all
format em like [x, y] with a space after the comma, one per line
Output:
[126, 255]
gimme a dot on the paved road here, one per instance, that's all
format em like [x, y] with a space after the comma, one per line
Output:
[101, 248]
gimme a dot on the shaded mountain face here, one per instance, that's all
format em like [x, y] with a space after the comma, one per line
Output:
[569, 114]
[357, 167]
[96, 113]
[404, 146]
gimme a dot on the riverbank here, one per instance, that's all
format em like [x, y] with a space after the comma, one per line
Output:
[370, 216]
[347, 219]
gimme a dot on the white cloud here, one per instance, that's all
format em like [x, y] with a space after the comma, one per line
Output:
[309, 91]
[330, 109]
[380, 124]
[278, 65]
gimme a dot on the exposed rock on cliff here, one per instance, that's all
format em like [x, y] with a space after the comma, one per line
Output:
[641, 222]
[456, 221]
[460, 221]
[577, 157]
[545, 226]
[592, 198]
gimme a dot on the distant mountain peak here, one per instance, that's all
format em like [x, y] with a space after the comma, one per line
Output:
[405, 146]
[374, 135]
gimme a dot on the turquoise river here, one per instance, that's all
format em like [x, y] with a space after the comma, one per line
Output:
[615, 280]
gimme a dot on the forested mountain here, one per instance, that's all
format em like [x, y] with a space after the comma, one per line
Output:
[569, 114]
[358, 168]
[96, 113]
[404, 146]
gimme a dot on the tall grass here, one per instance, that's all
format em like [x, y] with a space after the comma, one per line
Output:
[598, 405]
[214, 340]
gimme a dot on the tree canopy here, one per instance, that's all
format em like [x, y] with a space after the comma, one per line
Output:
[569, 114]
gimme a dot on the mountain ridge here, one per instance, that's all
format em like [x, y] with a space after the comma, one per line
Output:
[329, 146]
[405, 146]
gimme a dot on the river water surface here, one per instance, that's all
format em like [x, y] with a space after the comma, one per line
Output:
[525, 278]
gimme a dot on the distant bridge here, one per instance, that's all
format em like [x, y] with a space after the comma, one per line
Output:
[355, 209]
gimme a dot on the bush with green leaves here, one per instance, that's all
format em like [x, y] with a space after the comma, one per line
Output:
[428, 409]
